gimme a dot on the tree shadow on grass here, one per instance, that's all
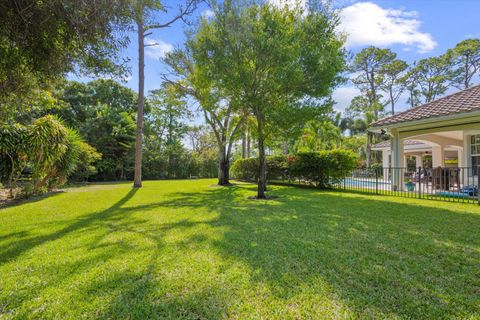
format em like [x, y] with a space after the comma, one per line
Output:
[10, 203]
[11, 251]
[129, 289]
[145, 295]
[381, 258]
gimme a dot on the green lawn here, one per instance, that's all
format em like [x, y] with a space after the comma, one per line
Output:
[186, 249]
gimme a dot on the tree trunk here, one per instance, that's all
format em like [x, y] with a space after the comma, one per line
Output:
[248, 142]
[392, 102]
[285, 147]
[466, 78]
[368, 148]
[223, 167]
[262, 183]
[137, 183]
[244, 145]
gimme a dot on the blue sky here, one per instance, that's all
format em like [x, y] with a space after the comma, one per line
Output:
[414, 29]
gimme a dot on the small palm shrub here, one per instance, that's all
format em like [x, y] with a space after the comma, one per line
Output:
[46, 150]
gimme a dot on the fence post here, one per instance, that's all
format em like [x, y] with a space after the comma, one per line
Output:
[419, 178]
[478, 183]
[376, 180]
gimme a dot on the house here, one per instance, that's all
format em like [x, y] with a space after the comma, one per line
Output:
[446, 130]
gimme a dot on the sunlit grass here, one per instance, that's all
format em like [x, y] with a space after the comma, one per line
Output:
[186, 249]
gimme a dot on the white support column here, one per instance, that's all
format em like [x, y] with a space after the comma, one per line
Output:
[466, 150]
[437, 156]
[460, 158]
[397, 162]
[385, 163]
[462, 173]
[418, 161]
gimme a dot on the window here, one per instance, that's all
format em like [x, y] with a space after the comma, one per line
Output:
[475, 153]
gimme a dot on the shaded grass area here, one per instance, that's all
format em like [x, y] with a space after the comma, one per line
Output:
[185, 249]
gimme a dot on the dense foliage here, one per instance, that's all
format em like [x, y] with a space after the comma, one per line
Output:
[44, 154]
[40, 41]
[320, 169]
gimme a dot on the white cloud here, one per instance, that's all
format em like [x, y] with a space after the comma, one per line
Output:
[208, 13]
[367, 23]
[343, 96]
[157, 48]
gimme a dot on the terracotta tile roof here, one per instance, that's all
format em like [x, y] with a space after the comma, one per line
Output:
[386, 143]
[467, 100]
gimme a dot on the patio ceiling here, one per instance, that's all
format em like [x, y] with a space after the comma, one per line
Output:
[448, 139]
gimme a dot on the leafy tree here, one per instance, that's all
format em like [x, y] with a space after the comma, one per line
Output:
[288, 121]
[265, 56]
[112, 132]
[391, 83]
[81, 100]
[369, 65]
[87, 157]
[355, 144]
[200, 138]
[465, 61]
[221, 112]
[377, 69]
[362, 114]
[319, 135]
[40, 41]
[27, 108]
[433, 77]
[103, 113]
[165, 127]
[410, 82]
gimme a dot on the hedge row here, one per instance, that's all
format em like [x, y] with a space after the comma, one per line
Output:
[321, 169]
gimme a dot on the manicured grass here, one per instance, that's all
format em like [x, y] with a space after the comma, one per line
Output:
[185, 249]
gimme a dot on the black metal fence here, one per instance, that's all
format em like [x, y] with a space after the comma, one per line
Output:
[445, 184]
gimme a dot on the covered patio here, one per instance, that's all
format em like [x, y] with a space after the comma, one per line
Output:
[439, 140]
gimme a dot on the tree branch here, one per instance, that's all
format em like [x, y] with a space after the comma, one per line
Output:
[189, 8]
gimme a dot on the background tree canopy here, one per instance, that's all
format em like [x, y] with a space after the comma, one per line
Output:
[40, 41]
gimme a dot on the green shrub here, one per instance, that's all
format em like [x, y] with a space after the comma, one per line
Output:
[88, 155]
[245, 169]
[277, 167]
[317, 168]
[323, 168]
